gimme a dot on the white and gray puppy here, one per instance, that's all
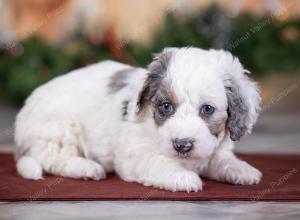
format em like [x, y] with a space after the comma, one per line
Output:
[164, 126]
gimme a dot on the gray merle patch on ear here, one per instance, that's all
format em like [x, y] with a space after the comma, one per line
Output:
[119, 80]
[160, 62]
[157, 70]
[237, 113]
[151, 85]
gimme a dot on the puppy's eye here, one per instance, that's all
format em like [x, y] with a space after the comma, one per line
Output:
[207, 110]
[166, 108]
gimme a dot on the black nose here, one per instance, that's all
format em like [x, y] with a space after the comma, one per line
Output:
[183, 145]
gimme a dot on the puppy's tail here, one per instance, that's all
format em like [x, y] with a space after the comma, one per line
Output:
[29, 168]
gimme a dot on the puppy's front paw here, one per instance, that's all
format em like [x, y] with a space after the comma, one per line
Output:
[240, 172]
[187, 181]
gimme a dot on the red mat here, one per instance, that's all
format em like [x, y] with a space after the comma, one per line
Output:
[281, 181]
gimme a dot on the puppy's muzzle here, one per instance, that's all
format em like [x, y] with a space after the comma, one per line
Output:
[183, 145]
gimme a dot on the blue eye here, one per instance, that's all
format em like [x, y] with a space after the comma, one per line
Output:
[207, 110]
[166, 108]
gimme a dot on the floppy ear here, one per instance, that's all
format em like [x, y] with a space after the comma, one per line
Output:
[243, 101]
[157, 70]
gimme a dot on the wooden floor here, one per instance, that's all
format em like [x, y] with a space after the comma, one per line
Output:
[150, 210]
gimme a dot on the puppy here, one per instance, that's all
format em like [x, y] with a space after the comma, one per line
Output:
[164, 126]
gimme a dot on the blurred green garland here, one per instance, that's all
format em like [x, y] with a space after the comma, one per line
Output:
[264, 45]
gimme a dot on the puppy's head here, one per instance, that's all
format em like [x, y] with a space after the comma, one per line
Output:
[196, 98]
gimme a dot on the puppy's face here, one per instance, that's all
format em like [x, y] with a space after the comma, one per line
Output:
[195, 100]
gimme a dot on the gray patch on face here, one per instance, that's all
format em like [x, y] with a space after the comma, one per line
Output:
[159, 116]
[124, 110]
[119, 80]
[237, 113]
[157, 70]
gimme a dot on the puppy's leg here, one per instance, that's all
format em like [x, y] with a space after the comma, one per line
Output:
[58, 150]
[157, 171]
[226, 167]
[58, 161]
[73, 167]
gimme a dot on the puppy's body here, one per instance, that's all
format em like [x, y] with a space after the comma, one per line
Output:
[57, 116]
[112, 117]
